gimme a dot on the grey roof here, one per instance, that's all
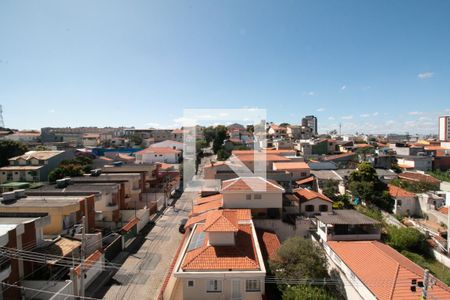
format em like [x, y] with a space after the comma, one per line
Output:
[44, 201]
[345, 217]
[326, 174]
[103, 187]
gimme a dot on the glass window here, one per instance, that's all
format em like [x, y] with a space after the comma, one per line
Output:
[252, 285]
[399, 202]
[323, 207]
[190, 283]
[309, 208]
[214, 286]
[258, 196]
[248, 197]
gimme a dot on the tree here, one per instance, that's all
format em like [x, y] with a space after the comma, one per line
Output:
[365, 184]
[136, 139]
[220, 136]
[409, 239]
[331, 188]
[284, 124]
[65, 171]
[299, 258]
[10, 149]
[223, 154]
[209, 134]
[307, 292]
[41, 148]
[251, 128]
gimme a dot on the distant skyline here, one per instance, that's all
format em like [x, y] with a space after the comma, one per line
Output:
[374, 67]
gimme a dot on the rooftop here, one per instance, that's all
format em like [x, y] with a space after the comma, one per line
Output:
[159, 150]
[40, 155]
[345, 217]
[397, 192]
[44, 201]
[419, 177]
[221, 221]
[251, 184]
[290, 166]
[384, 271]
[201, 256]
[307, 195]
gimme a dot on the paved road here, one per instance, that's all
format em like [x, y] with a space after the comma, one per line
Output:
[142, 274]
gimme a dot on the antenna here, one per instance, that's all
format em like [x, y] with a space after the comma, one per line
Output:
[2, 124]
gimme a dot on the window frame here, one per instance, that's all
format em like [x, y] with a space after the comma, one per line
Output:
[217, 286]
[308, 206]
[249, 285]
[248, 196]
[188, 284]
[257, 196]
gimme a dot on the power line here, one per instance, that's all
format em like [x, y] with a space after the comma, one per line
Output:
[45, 291]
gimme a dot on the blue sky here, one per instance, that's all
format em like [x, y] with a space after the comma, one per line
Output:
[374, 66]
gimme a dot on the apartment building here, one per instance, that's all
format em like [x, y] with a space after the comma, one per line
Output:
[444, 128]
[33, 165]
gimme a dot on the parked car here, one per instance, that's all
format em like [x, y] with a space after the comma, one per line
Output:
[183, 222]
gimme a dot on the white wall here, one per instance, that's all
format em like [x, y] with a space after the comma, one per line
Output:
[221, 238]
[316, 203]
[238, 200]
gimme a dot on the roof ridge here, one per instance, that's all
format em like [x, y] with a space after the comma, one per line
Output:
[391, 294]
[195, 256]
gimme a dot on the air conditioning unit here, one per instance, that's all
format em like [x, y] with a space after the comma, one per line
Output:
[96, 172]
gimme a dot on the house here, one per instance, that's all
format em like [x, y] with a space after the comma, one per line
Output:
[263, 197]
[221, 259]
[297, 132]
[178, 135]
[347, 225]
[406, 203]
[420, 163]
[373, 270]
[277, 132]
[324, 147]
[33, 165]
[23, 136]
[416, 177]
[64, 211]
[18, 232]
[91, 140]
[168, 144]
[297, 170]
[154, 155]
[312, 203]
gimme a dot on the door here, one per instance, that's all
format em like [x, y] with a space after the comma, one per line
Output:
[236, 289]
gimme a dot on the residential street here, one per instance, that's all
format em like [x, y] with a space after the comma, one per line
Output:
[143, 272]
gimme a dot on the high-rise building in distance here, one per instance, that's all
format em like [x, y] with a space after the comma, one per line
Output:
[311, 122]
[444, 128]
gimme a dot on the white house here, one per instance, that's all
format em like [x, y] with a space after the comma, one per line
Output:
[168, 144]
[312, 203]
[221, 259]
[154, 154]
[406, 203]
[262, 196]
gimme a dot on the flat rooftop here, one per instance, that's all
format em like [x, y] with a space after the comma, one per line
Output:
[44, 201]
[345, 217]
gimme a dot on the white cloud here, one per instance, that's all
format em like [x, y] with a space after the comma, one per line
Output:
[343, 87]
[347, 117]
[364, 115]
[52, 111]
[390, 122]
[425, 75]
[320, 109]
[224, 114]
[415, 113]
[330, 118]
[375, 114]
[424, 118]
[312, 93]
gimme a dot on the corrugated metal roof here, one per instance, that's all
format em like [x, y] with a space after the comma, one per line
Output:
[345, 216]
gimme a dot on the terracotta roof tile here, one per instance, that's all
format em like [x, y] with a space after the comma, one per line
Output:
[287, 166]
[130, 224]
[221, 221]
[251, 184]
[269, 243]
[199, 209]
[384, 271]
[397, 192]
[241, 256]
[305, 180]
[307, 195]
[203, 200]
[418, 177]
[241, 214]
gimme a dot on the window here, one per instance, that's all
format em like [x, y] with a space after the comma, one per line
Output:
[323, 207]
[303, 174]
[190, 283]
[214, 286]
[252, 285]
[399, 202]
[248, 197]
[309, 208]
[258, 196]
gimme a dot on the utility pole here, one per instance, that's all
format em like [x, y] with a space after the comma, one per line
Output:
[83, 254]
[426, 278]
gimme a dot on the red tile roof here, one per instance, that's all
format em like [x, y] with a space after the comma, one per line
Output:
[289, 166]
[384, 271]
[444, 210]
[251, 184]
[337, 156]
[419, 177]
[130, 224]
[240, 256]
[199, 209]
[221, 221]
[307, 195]
[262, 156]
[397, 192]
[89, 262]
[268, 242]
[305, 180]
[241, 214]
